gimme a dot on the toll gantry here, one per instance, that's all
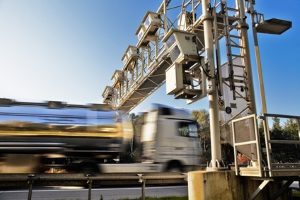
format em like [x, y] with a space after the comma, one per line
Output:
[201, 49]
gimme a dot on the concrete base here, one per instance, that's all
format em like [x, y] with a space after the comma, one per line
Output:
[225, 185]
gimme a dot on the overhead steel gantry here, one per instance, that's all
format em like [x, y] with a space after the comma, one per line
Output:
[201, 49]
[144, 64]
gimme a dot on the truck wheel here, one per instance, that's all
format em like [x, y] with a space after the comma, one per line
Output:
[175, 166]
[89, 168]
[174, 170]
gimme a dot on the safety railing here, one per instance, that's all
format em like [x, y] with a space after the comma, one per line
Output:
[32, 180]
[264, 151]
[282, 145]
[246, 141]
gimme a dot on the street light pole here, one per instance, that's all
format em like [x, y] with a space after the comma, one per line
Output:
[258, 61]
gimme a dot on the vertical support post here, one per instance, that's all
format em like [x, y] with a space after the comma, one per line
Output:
[30, 183]
[298, 122]
[212, 91]
[218, 54]
[90, 183]
[259, 69]
[127, 81]
[258, 147]
[143, 181]
[261, 83]
[267, 144]
[149, 56]
[193, 13]
[258, 61]
[246, 53]
[235, 151]
[142, 58]
[165, 16]
[156, 48]
[143, 189]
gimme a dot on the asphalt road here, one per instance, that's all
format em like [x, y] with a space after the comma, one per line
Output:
[63, 193]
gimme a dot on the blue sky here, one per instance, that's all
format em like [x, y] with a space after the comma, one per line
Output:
[67, 50]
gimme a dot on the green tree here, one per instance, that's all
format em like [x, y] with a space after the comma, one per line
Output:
[202, 117]
[276, 124]
[285, 153]
[291, 126]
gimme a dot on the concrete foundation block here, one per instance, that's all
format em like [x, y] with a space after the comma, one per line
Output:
[225, 185]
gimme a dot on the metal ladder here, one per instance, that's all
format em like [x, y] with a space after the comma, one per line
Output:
[235, 50]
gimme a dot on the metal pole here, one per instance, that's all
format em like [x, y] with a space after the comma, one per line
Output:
[143, 189]
[30, 182]
[246, 53]
[212, 92]
[89, 182]
[218, 54]
[165, 16]
[193, 12]
[298, 123]
[268, 145]
[261, 85]
[258, 62]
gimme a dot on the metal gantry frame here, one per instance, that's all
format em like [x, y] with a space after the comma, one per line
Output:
[167, 39]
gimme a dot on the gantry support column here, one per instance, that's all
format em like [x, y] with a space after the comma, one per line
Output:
[248, 69]
[212, 91]
[261, 86]
[246, 53]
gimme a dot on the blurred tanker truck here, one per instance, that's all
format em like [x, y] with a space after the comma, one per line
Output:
[56, 137]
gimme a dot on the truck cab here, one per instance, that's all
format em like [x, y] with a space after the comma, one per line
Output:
[170, 137]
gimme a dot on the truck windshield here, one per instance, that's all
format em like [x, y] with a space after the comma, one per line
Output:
[188, 129]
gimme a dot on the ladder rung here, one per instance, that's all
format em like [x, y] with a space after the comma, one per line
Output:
[232, 9]
[238, 81]
[237, 76]
[241, 85]
[241, 66]
[233, 18]
[235, 36]
[239, 56]
[219, 3]
[237, 46]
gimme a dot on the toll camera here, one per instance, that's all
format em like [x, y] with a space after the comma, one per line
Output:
[186, 81]
[182, 46]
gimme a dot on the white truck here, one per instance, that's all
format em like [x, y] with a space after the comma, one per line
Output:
[169, 142]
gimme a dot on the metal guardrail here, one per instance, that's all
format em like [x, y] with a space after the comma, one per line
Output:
[88, 180]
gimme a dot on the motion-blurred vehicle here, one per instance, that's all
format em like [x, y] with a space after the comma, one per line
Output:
[56, 137]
